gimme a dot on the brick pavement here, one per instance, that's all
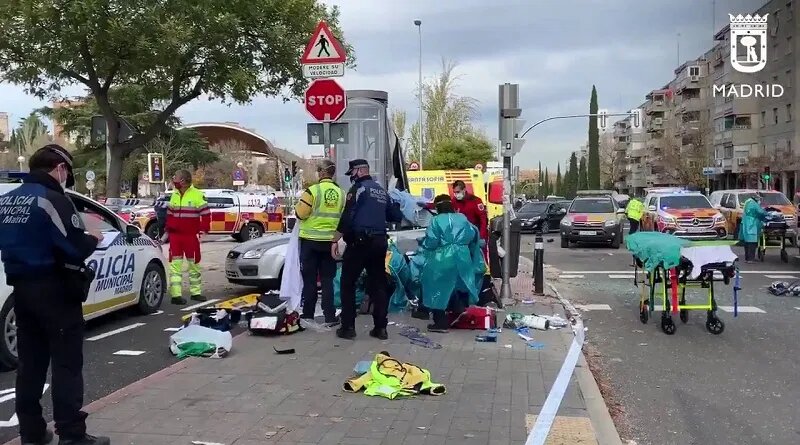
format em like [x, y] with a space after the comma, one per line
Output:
[256, 397]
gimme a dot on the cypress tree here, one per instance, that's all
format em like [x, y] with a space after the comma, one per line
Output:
[593, 169]
[558, 190]
[583, 180]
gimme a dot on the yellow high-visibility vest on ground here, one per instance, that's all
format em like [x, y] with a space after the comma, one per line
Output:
[325, 211]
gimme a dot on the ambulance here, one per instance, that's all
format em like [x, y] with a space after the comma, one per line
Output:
[683, 213]
[430, 183]
[243, 216]
[129, 269]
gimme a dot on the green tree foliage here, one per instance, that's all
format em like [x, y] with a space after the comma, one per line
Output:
[559, 190]
[175, 51]
[583, 179]
[460, 153]
[539, 177]
[572, 176]
[593, 169]
[546, 188]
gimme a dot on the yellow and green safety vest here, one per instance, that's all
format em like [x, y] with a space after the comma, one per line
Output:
[634, 209]
[325, 211]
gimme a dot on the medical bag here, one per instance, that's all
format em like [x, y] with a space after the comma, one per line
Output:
[474, 317]
[270, 317]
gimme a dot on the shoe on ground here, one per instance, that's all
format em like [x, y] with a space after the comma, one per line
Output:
[86, 440]
[177, 300]
[48, 437]
[346, 333]
[199, 298]
[379, 333]
[331, 322]
[420, 315]
[440, 329]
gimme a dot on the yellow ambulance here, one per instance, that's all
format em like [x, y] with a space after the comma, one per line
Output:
[430, 183]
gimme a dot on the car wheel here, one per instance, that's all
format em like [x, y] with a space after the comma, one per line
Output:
[564, 243]
[8, 346]
[251, 231]
[154, 286]
[545, 227]
[616, 242]
[152, 231]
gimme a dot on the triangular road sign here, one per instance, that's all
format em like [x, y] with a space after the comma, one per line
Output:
[323, 47]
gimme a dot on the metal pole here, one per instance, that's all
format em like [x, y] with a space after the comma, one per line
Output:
[421, 126]
[538, 265]
[505, 290]
[108, 155]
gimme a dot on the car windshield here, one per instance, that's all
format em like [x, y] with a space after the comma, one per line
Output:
[684, 202]
[598, 205]
[533, 207]
[774, 199]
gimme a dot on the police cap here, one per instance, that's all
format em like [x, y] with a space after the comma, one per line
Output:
[49, 156]
[355, 164]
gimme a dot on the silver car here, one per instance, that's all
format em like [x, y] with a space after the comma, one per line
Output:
[259, 262]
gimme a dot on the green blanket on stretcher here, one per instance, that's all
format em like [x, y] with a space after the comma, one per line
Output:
[656, 249]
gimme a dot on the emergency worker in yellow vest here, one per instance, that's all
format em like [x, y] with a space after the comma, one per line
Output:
[319, 210]
[188, 217]
[634, 212]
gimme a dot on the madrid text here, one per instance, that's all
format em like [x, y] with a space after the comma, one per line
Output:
[16, 209]
[114, 273]
[746, 90]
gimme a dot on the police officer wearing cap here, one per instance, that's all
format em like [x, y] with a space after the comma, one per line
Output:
[44, 244]
[367, 210]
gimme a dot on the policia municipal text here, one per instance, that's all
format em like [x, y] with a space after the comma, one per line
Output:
[44, 259]
[366, 211]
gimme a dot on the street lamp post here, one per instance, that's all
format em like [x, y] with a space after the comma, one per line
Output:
[418, 24]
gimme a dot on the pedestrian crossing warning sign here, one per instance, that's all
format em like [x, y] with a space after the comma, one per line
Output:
[323, 47]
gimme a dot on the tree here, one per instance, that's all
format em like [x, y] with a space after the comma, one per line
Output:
[572, 176]
[546, 189]
[583, 180]
[559, 190]
[460, 153]
[175, 51]
[612, 162]
[447, 115]
[539, 181]
[30, 135]
[593, 169]
[681, 159]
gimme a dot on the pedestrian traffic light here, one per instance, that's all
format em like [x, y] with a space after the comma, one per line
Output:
[287, 175]
[767, 176]
[294, 169]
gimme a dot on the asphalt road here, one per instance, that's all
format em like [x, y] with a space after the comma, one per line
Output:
[692, 387]
[105, 371]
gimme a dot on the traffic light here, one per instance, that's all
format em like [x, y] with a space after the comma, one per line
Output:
[287, 175]
[767, 176]
[294, 169]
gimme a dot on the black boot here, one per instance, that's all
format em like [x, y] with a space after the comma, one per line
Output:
[177, 300]
[433, 327]
[86, 440]
[379, 333]
[346, 333]
[48, 437]
[420, 314]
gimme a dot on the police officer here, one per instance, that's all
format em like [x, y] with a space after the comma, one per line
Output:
[319, 210]
[44, 244]
[366, 211]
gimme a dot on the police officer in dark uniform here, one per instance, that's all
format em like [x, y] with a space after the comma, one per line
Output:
[367, 210]
[44, 244]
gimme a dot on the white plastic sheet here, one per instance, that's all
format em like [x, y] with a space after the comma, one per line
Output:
[292, 280]
[199, 334]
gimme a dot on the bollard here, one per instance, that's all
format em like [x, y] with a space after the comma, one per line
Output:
[538, 266]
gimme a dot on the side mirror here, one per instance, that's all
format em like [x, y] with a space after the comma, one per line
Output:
[620, 211]
[651, 209]
[132, 232]
[562, 211]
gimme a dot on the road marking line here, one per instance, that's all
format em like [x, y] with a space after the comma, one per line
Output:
[569, 272]
[199, 305]
[158, 312]
[593, 307]
[127, 352]
[798, 308]
[782, 277]
[743, 309]
[570, 276]
[627, 277]
[115, 331]
[172, 329]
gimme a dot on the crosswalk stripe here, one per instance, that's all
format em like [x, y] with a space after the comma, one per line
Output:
[115, 332]
[199, 305]
[781, 277]
[615, 276]
[570, 276]
[593, 307]
[128, 352]
[743, 309]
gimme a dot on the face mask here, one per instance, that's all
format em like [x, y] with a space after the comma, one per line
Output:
[353, 178]
[460, 196]
[62, 182]
[177, 184]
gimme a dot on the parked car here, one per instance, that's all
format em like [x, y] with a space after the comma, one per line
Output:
[683, 213]
[731, 204]
[541, 216]
[594, 220]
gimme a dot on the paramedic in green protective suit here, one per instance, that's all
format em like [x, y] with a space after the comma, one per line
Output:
[454, 264]
[750, 229]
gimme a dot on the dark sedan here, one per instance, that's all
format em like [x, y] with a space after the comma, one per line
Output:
[541, 216]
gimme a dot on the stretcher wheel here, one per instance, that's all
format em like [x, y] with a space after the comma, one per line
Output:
[761, 254]
[644, 313]
[715, 326]
[784, 256]
[684, 315]
[667, 325]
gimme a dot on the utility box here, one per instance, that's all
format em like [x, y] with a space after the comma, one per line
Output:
[495, 235]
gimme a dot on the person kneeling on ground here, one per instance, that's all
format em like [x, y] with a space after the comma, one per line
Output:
[454, 264]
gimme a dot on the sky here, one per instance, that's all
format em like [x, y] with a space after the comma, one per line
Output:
[554, 50]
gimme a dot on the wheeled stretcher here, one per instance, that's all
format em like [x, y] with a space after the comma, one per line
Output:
[775, 227]
[700, 266]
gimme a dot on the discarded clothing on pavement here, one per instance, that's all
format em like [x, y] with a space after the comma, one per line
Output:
[199, 341]
[391, 378]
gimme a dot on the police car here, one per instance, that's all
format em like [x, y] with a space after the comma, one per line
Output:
[129, 269]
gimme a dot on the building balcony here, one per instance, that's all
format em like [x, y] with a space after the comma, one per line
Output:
[637, 153]
[655, 124]
[692, 104]
[689, 83]
[737, 136]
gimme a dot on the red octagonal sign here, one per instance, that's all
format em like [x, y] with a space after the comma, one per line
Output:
[326, 100]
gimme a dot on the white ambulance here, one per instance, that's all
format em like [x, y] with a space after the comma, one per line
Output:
[129, 271]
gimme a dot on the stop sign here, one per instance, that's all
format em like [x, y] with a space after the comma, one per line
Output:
[325, 100]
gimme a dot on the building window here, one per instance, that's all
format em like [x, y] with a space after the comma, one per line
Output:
[789, 8]
[788, 45]
[789, 146]
[775, 79]
[694, 70]
[775, 115]
[789, 80]
[788, 112]
[763, 118]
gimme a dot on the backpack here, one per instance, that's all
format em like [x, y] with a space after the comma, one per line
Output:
[474, 317]
[270, 317]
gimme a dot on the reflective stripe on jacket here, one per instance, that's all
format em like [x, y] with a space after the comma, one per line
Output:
[188, 213]
[326, 209]
[634, 209]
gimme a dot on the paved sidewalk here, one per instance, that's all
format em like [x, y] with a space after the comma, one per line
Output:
[256, 397]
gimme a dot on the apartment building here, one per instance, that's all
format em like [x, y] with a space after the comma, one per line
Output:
[5, 127]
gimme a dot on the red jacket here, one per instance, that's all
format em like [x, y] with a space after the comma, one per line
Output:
[472, 207]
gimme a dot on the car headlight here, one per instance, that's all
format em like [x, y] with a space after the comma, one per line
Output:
[253, 254]
[611, 223]
[667, 219]
[718, 218]
[535, 218]
[566, 222]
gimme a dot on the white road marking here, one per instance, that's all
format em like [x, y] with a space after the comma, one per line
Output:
[629, 271]
[172, 329]
[743, 309]
[781, 277]
[798, 308]
[593, 307]
[127, 352]
[115, 331]
[199, 305]
[10, 394]
[570, 276]
[158, 312]
[621, 276]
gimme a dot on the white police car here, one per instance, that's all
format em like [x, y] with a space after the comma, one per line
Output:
[129, 271]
